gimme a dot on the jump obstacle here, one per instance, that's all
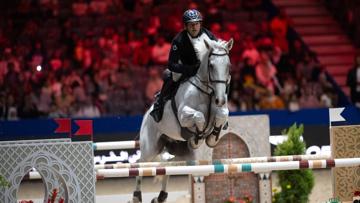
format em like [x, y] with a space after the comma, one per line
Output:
[216, 163]
[260, 165]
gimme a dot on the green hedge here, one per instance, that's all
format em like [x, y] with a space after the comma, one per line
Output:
[296, 185]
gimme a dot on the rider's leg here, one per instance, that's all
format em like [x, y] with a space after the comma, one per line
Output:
[167, 89]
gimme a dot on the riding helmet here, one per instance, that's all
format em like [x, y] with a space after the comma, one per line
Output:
[192, 15]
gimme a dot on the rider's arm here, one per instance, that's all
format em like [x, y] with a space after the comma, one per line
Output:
[174, 59]
[174, 62]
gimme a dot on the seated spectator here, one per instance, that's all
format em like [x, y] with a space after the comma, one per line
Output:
[142, 54]
[265, 72]
[271, 101]
[80, 8]
[353, 81]
[88, 109]
[309, 98]
[279, 27]
[153, 85]
[11, 109]
[305, 68]
[160, 51]
[98, 6]
[250, 52]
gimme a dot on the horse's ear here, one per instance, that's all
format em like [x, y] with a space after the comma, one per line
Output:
[230, 44]
[207, 44]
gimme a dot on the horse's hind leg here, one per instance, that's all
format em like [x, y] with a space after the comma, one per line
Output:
[137, 197]
[151, 145]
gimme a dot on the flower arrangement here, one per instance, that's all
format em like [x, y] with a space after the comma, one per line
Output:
[356, 197]
[51, 199]
[245, 199]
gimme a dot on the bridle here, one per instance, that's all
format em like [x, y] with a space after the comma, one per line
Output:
[210, 66]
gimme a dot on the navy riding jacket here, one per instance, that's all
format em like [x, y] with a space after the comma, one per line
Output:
[182, 49]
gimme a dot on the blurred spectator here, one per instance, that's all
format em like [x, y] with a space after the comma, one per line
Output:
[265, 72]
[142, 54]
[153, 85]
[353, 81]
[250, 52]
[279, 27]
[98, 6]
[305, 67]
[80, 8]
[10, 109]
[56, 55]
[308, 98]
[88, 109]
[271, 101]
[160, 51]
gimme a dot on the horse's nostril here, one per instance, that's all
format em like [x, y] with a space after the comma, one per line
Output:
[216, 101]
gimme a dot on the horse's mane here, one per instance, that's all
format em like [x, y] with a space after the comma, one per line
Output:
[216, 45]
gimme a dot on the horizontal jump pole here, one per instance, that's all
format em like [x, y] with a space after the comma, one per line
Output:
[211, 162]
[204, 170]
[98, 146]
[257, 167]
[34, 175]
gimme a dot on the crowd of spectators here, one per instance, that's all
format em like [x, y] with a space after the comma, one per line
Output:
[90, 58]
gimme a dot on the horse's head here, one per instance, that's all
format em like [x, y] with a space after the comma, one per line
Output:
[219, 68]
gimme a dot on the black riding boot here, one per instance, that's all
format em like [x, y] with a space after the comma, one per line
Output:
[166, 91]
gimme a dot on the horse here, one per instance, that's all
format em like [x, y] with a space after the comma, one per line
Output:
[198, 111]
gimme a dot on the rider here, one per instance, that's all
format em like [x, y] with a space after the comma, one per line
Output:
[182, 58]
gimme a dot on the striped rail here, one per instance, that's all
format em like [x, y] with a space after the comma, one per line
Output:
[98, 146]
[35, 175]
[204, 170]
[211, 162]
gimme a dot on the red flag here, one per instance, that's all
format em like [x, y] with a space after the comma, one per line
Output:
[85, 127]
[64, 125]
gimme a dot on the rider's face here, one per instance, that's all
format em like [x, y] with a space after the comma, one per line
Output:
[193, 28]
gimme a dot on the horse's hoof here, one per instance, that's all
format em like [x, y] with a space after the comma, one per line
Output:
[137, 197]
[212, 140]
[195, 143]
[135, 200]
[154, 200]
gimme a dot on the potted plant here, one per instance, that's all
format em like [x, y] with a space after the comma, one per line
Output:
[296, 185]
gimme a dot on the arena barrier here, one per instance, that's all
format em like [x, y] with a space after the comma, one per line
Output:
[204, 170]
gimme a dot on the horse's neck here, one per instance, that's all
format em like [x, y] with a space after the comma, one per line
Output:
[202, 54]
[203, 72]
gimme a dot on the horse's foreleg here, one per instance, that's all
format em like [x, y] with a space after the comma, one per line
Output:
[163, 193]
[137, 197]
[221, 117]
[189, 117]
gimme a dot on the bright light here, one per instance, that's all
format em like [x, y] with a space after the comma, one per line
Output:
[38, 68]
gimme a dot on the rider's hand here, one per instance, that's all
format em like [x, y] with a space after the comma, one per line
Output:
[191, 70]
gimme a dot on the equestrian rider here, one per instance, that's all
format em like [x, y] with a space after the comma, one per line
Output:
[183, 60]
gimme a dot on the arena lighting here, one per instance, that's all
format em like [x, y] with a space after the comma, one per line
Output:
[38, 68]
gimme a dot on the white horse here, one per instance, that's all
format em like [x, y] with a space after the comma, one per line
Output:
[197, 112]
